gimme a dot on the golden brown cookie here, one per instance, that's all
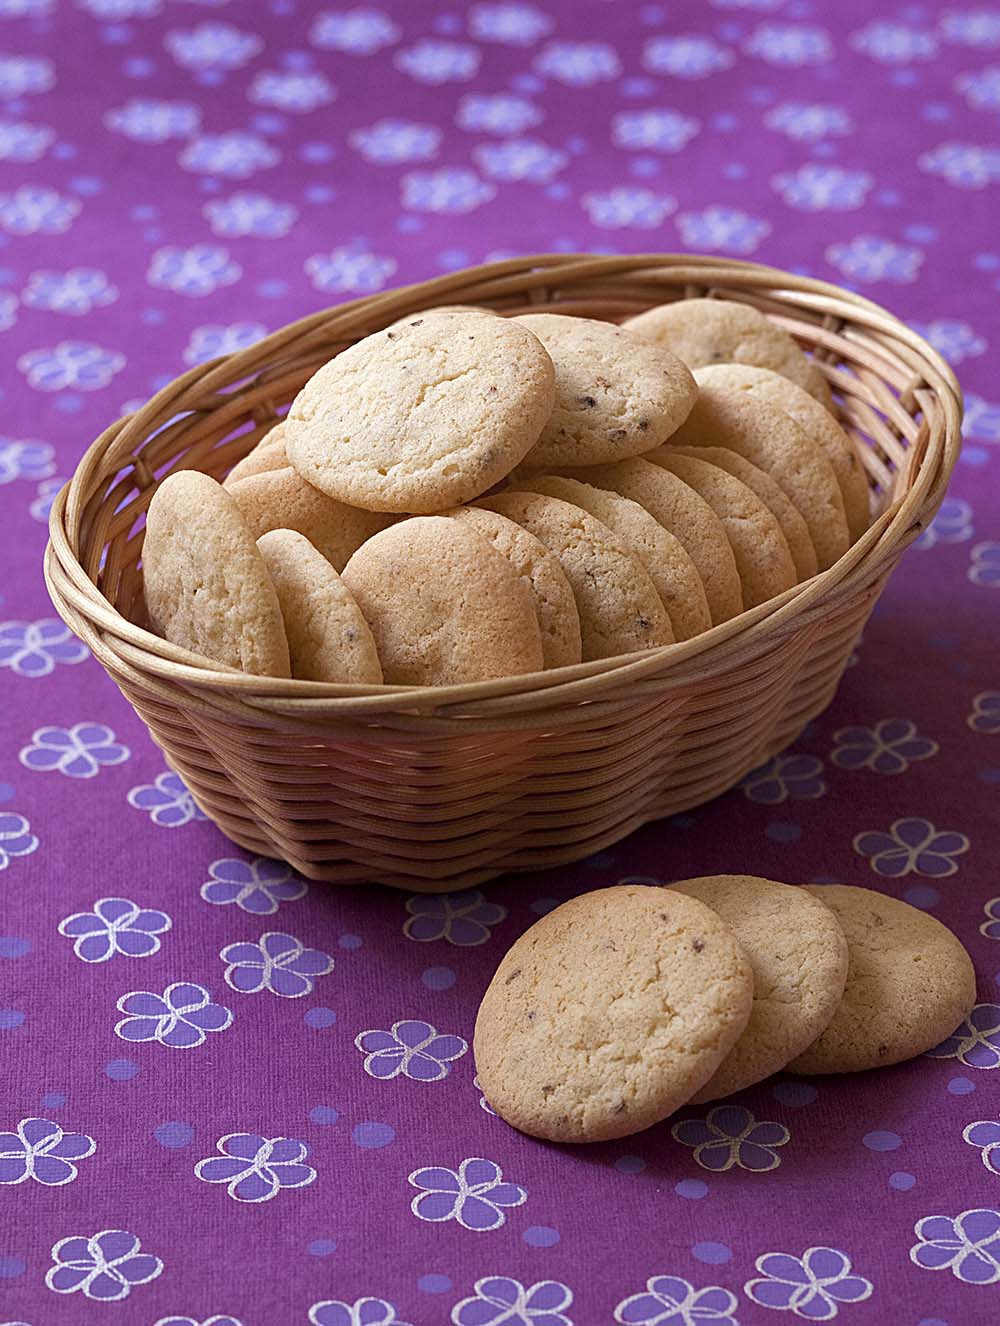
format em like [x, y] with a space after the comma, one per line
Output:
[328, 638]
[268, 454]
[714, 331]
[909, 984]
[609, 1013]
[444, 605]
[423, 416]
[799, 958]
[620, 610]
[411, 318]
[206, 585]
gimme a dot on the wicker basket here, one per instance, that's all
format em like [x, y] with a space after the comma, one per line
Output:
[434, 789]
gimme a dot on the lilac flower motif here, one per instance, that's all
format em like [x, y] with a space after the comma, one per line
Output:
[80, 751]
[785, 778]
[653, 130]
[499, 113]
[113, 10]
[391, 142]
[297, 91]
[35, 210]
[179, 1018]
[578, 63]
[985, 1134]
[217, 46]
[76, 291]
[954, 339]
[8, 310]
[167, 800]
[25, 460]
[890, 747]
[984, 565]
[195, 272]
[981, 89]
[35, 649]
[362, 1312]
[484, 1104]
[912, 846]
[872, 258]
[254, 1168]
[499, 1300]
[626, 206]
[730, 1135]
[450, 189]
[982, 419]
[16, 838]
[815, 187]
[39, 510]
[789, 44]
[413, 1048]
[985, 716]
[20, 74]
[813, 1286]
[258, 886]
[215, 1320]
[25, 8]
[115, 925]
[976, 1042]
[475, 1194]
[894, 43]
[277, 962]
[24, 142]
[971, 27]
[520, 159]
[235, 155]
[436, 62]
[809, 123]
[952, 524]
[105, 1266]
[212, 340]
[463, 919]
[725, 229]
[964, 165]
[968, 1245]
[75, 364]
[40, 1150]
[670, 1301]
[509, 24]
[360, 31]
[249, 214]
[148, 120]
[350, 270]
[686, 56]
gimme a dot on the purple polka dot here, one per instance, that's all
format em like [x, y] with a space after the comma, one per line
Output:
[173, 1134]
[272, 289]
[901, 1181]
[691, 1189]
[267, 123]
[599, 861]
[323, 1114]
[781, 831]
[989, 775]
[630, 1164]
[434, 1283]
[540, 1236]
[879, 1140]
[137, 66]
[152, 316]
[297, 59]
[350, 941]
[11, 1268]
[53, 1100]
[88, 185]
[712, 1254]
[68, 402]
[408, 225]
[319, 1018]
[986, 262]
[64, 151]
[542, 906]
[144, 212]
[321, 1247]
[121, 1070]
[961, 1086]
[438, 978]
[922, 896]
[931, 1321]
[372, 1136]
[794, 1094]
[11, 1019]
[319, 193]
[316, 152]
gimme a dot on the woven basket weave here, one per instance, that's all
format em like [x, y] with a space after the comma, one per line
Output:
[434, 789]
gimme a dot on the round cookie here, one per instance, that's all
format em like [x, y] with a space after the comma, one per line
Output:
[206, 585]
[775, 443]
[281, 499]
[670, 568]
[909, 984]
[616, 396]
[763, 558]
[423, 416]
[268, 454]
[799, 958]
[794, 528]
[620, 610]
[414, 319]
[444, 606]
[679, 509]
[328, 638]
[817, 422]
[552, 593]
[609, 1013]
[713, 331]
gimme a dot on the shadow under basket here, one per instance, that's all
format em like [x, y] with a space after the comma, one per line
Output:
[433, 789]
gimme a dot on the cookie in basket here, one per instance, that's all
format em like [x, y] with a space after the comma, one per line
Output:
[620, 610]
[910, 983]
[268, 454]
[763, 557]
[444, 606]
[670, 568]
[609, 1013]
[840, 449]
[423, 416]
[414, 319]
[328, 638]
[281, 499]
[799, 958]
[551, 592]
[206, 584]
[713, 331]
[774, 442]
[616, 396]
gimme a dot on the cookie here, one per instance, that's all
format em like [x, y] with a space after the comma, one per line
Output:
[609, 1013]
[423, 416]
[909, 984]
[799, 958]
[775, 443]
[551, 592]
[794, 528]
[444, 606]
[268, 454]
[670, 568]
[281, 499]
[714, 331]
[328, 638]
[817, 422]
[206, 585]
[679, 509]
[763, 557]
[414, 319]
[620, 610]
[616, 396]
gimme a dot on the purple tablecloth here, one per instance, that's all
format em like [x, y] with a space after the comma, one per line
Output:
[232, 1098]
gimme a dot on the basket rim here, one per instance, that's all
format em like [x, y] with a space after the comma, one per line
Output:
[108, 632]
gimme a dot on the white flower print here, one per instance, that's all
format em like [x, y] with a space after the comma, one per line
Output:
[874, 258]
[8, 310]
[499, 1300]
[809, 123]
[105, 1266]
[210, 341]
[235, 155]
[360, 31]
[362, 1312]
[964, 165]
[41, 1151]
[626, 206]
[729, 1136]
[985, 1135]
[217, 1319]
[463, 919]
[520, 159]
[725, 229]
[115, 925]
[578, 63]
[167, 800]
[76, 292]
[249, 214]
[912, 846]
[277, 962]
[147, 120]
[818, 188]
[971, 27]
[890, 747]
[789, 44]
[412, 1048]
[981, 88]
[20, 74]
[80, 751]
[968, 1245]
[255, 1168]
[259, 886]
[16, 838]
[33, 209]
[985, 715]
[984, 564]
[669, 1300]
[499, 113]
[216, 46]
[509, 24]
[40, 509]
[391, 142]
[954, 339]
[299, 92]
[24, 142]
[24, 460]
[894, 43]
[180, 1018]
[71, 364]
[686, 56]
[653, 130]
[451, 189]
[118, 9]
[35, 649]
[975, 1042]
[350, 270]
[195, 272]
[435, 62]
[813, 1286]
[476, 1194]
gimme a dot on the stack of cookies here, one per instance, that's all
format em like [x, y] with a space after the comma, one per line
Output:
[623, 1004]
[464, 496]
